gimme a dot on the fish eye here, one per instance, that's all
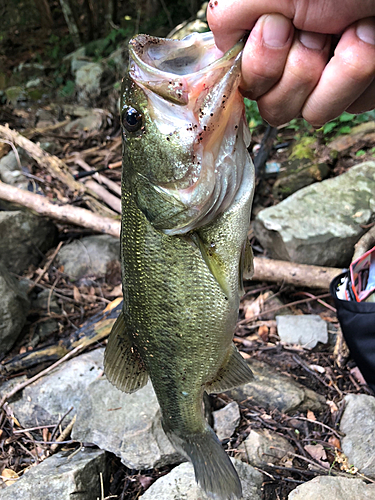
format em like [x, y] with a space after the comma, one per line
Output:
[132, 119]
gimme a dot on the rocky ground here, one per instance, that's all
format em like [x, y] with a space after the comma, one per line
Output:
[304, 428]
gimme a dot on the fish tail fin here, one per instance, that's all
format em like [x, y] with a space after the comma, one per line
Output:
[214, 472]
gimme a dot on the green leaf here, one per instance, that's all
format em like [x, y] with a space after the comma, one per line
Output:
[328, 127]
[346, 117]
[346, 129]
[361, 152]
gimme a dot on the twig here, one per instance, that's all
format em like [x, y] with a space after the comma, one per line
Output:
[23, 431]
[336, 433]
[64, 213]
[46, 267]
[21, 386]
[274, 309]
[60, 422]
[65, 433]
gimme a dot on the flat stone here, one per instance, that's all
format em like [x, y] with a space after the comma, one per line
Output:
[263, 446]
[305, 330]
[127, 425]
[63, 478]
[271, 389]
[320, 224]
[358, 424]
[14, 306]
[89, 256]
[45, 401]
[180, 484]
[333, 488]
[226, 420]
[26, 238]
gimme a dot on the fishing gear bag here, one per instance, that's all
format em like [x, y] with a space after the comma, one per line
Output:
[354, 292]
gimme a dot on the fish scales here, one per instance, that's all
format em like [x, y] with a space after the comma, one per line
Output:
[182, 270]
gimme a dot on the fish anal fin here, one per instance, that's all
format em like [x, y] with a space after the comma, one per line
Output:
[246, 269]
[122, 363]
[233, 373]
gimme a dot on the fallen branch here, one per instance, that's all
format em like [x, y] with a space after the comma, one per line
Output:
[56, 167]
[299, 275]
[364, 244]
[63, 213]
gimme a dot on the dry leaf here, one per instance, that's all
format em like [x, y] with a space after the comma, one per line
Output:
[9, 476]
[318, 453]
[311, 415]
[76, 294]
[22, 350]
[358, 375]
[263, 333]
[317, 368]
[116, 292]
[334, 441]
[332, 406]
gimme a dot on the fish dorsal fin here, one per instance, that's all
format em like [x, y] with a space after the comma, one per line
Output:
[246, 268]
[233, 372]
[122, 363]
[214, 262]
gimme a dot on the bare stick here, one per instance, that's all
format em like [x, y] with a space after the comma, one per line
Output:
[301, 275]
[63, 213]
[21, 386]
[65, 433]
[365, 243]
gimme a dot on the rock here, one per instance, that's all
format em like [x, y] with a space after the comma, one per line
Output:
[28, 237]
[87, 80]
[358, 424]
[296, 174]
[263, 446]
[14, 306]
[10, 170]
[46, 400]
[127, 425]
[226, 420]
[63, 478]
[361, 132]
[333, 488]
[89, 256]
[89, 123]
[320, 224]
[180, 484]
[271, 389]
[305, 329]
[46, 301]
[77, 59]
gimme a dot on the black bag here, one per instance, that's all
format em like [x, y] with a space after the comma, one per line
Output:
[357, 320]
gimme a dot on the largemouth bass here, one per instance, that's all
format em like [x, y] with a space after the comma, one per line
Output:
[187, 188]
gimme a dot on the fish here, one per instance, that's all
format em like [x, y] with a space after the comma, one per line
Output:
[187, 190]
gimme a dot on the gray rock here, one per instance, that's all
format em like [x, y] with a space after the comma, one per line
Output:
[305, 329]
[271, 389]
[63, 478]
[320, 223]
[88, 123]
[50, 397]
[89, 256]
[14, 306]
[88, 79]
[180, 484]
[127, 425]
[77, 59]
[226, 420]
[263, 446]
[24, 238]
[358, 423]
[11, 171]
[46, 301]
[333, 488]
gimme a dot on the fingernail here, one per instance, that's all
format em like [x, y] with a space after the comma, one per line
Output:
[366, 30]
[276, 30]
[314, 41]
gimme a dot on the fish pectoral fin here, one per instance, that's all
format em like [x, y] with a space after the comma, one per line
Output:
[213, 261]
[246, 268]
[122, 363]
[234, 372]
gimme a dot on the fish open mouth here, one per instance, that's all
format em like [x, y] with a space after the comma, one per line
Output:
[193, 97]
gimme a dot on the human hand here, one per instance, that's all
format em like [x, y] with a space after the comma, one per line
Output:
[286, 64]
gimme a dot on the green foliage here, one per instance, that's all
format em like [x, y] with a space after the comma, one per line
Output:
[104, 46]
[57, 47]
[345, 122]
[68, 89]
[252, 114]
[361, 152]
